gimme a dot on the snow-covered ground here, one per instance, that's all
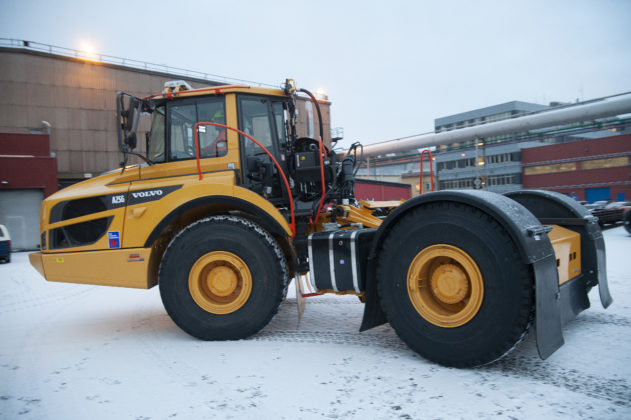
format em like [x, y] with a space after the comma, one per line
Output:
[87, 352]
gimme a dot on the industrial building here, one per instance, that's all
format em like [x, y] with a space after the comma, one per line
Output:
[72, 97]
[485, 115]
[27, 174]
[476, 164]
[590, 170]
[496, 162]
[58, 110]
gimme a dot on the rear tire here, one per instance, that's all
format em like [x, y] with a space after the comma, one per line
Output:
[453, 285]
[223, 278]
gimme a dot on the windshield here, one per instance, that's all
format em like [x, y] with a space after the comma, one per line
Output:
[155, 142]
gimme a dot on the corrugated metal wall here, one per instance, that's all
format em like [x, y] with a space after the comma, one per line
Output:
[77, 98]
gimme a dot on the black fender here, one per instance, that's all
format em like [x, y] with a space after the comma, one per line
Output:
[552, 208]
[529, 236]
[219, 203]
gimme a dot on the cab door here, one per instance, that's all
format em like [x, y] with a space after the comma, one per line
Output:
[263, 118]
[172, 151]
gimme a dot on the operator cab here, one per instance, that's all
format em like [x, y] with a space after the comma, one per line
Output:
[171, 136]
[187, 124]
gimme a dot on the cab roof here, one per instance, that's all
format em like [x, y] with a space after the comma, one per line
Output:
[180, 91]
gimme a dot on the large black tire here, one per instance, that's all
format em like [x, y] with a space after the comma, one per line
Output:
[223, 278]
[453, 285]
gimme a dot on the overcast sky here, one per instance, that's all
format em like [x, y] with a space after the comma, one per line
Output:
[389, 67]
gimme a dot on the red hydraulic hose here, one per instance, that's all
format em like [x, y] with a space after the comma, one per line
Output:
[199, 170]
[431, 170]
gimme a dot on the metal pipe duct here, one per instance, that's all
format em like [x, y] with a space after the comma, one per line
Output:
[582, 112]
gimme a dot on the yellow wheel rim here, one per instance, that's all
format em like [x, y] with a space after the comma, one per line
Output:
[445, 286]
[220, 282]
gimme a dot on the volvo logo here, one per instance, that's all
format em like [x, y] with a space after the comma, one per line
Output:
[145, 194]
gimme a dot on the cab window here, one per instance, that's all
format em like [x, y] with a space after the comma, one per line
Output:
[256, 123]
[212, 139]
[279, 119]
[155, 145]
[262, 118]
[184, 116]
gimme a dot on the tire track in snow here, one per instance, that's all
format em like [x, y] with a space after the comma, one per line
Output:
[617, 391]
[602, 318]
[520, 366]
[387, 339]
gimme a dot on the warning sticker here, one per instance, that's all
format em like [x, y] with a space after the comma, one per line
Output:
[114, 239]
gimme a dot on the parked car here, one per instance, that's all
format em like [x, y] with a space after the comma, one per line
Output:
[597, 205]
[608, 212]
[619, 205]
[5, 244]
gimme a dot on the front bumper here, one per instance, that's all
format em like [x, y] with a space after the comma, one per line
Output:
[133, 267]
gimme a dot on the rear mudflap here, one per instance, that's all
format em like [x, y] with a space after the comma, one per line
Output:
[548, 307]
[574, 298]
[557, 305]
[598, 247]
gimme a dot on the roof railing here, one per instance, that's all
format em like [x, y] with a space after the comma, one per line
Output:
[125, 62]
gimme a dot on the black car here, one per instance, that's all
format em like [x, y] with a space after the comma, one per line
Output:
[5, 244]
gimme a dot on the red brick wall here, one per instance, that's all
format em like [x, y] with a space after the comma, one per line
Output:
[618, 180]
[24, 144]
[577, 149]
[25, 163]
[381, 191]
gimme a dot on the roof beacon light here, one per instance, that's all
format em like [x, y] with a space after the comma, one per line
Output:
[174, 86]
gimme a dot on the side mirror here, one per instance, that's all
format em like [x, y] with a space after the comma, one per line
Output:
[127, 115]
[128, 109]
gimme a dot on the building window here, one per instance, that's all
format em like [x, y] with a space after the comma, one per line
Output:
[606, 163]
[503, 157]
[502, 180]
[550, 169]
[456, 184]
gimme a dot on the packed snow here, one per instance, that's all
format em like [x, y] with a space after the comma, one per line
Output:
[76, 352]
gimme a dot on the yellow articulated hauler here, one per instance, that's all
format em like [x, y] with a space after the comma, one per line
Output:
[229, 205]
